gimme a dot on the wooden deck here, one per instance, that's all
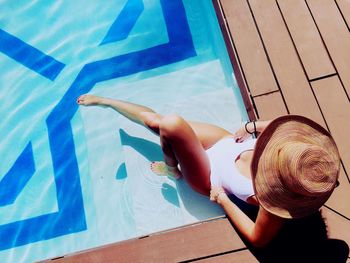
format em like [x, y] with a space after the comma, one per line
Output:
[290, 56]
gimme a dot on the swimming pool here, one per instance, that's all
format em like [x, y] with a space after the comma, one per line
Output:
[75, 178]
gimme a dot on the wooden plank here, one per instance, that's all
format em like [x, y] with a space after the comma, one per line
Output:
[238, 72]
[335, 35]
[253, 59]
[270, 106]
[285, 62]
[339, 200]
[344, 6]
[336, 110]
[306, 38]
[195, 241]
[235, 257]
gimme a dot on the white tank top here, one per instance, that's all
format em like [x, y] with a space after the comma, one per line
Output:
[224, 172]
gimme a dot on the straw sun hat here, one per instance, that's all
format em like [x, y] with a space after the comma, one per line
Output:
[295, 166]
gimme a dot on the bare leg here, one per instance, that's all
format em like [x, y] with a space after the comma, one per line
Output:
[181, 145]
[182, 142]
[130, 110]
[207, 134]
[161, 168]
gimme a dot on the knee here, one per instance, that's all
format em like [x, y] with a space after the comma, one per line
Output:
[149, 116]
[171, 124]
[151, 120]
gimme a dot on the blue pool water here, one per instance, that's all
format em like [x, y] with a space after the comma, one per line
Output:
[74, 178]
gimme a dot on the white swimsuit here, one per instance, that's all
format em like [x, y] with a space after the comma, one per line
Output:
[224, 172]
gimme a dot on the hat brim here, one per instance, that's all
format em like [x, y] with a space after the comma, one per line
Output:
[271, 192]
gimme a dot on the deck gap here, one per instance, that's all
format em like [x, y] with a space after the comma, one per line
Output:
[324, 44]
[323, 77]
[337, 212]
[267, 93]
[319, 106]
[214, 255]
[268, 58]
[346, 174]
[325, 121]
[292, 40]
[302, 65]
[296, 50]
[341, 13]
[57, 258]
[255, 108]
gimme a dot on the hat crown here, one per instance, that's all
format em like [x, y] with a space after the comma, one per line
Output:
[295, 166]
[306, 169]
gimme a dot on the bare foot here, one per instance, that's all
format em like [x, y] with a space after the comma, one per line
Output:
[88, 99]
[161, 168]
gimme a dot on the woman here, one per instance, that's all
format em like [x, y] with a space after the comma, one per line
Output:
[288, 172]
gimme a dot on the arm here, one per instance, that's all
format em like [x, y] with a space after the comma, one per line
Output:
[259, 233]
[260, 125]
[241, 134]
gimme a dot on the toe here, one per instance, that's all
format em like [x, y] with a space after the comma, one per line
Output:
[80, 99]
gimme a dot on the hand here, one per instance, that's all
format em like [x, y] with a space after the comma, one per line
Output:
[215, 193]
[241, 134]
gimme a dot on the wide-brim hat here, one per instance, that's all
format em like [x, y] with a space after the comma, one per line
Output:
[295, 167]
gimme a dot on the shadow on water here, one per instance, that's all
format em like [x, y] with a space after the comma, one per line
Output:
[150, 150]
[300, 240]
[121, 172]
[193, 202]
[170, 194]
